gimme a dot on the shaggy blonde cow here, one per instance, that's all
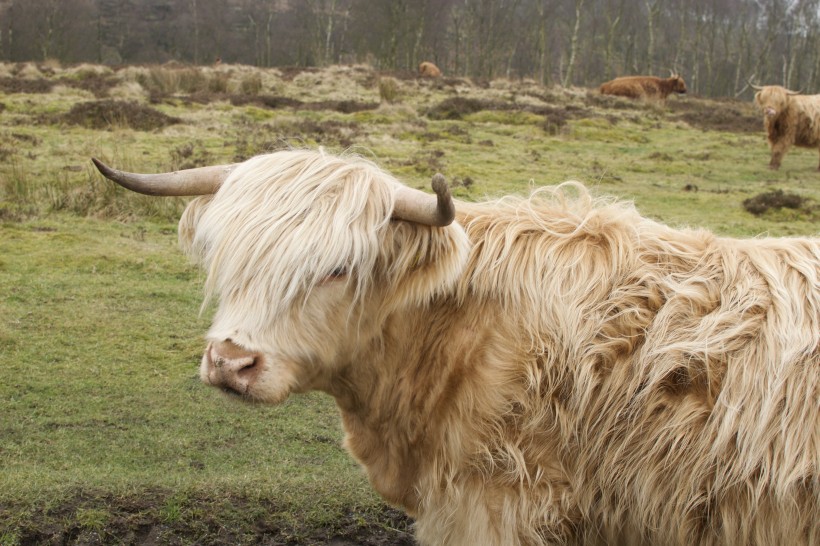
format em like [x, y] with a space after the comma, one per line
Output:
[542, 370]
[790, 119]
[429, 70]
[644, 87]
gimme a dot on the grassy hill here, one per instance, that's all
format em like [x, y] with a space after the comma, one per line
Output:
[108, 435]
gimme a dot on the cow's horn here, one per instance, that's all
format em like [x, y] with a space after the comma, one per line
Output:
[790, 92]
[416, 206]
[199, 181]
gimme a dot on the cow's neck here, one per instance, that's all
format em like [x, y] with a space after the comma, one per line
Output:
[399, 400]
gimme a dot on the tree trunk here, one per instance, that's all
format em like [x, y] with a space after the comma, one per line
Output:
[573, 48]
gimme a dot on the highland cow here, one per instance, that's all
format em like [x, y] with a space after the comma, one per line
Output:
[528, 371]
[644, 87]
[429, 70]
[789, 119]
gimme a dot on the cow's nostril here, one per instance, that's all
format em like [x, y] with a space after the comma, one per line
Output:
[231, 367]
[248, 367]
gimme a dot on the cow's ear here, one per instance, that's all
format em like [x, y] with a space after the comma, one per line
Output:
[423, 261]
[189, 222]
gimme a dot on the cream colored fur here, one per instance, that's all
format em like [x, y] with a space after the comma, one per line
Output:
[547, 370]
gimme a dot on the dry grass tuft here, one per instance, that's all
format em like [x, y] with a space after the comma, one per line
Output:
[389, 90]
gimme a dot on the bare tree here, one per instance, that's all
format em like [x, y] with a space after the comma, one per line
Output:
[573, 44]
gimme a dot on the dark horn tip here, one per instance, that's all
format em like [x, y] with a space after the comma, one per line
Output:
[446, 209]
[440, 184]
[104, 169]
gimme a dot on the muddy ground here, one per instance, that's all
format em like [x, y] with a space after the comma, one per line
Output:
[144, 520]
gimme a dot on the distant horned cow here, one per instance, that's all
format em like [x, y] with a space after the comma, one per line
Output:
[644, 87]
[429, 70]
[789, 119]
[554, 369]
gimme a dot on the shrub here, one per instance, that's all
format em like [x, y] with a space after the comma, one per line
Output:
[112, 113]
[388, 90]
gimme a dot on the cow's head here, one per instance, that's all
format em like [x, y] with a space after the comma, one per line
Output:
[678, 85]
[306, 254]
[772, 99]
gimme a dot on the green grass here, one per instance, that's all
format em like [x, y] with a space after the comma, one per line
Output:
[108, 434]
[100, 396]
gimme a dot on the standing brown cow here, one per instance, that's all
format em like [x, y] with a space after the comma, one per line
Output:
[790, 119]
[429, 70]
[644, 87]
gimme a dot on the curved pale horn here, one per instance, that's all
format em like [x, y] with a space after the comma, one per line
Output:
[416, 206]
[757, 87]
[199, 181]
[790, 92]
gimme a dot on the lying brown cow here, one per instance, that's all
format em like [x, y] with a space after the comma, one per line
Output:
[789, 118]
[429, 70]
[644, 87]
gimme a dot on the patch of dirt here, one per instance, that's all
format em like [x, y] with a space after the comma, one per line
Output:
[106, 113]
[87, 519]
[777, 199]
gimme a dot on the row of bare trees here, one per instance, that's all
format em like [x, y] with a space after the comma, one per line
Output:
[717, 45]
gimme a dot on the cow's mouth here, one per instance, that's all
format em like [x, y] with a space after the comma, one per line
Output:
[231, 392]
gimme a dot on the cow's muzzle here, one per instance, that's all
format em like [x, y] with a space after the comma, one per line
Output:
[770, 112]
[230, 367]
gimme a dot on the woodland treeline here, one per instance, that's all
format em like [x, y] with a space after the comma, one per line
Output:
[717, 45]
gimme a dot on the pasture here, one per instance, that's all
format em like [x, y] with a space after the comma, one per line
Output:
[107, 434]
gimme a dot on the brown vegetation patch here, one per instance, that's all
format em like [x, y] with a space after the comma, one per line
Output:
[189, 156]
[426, 163]
[342, 106]
[273, 102]
[777, 199]
[730, 116]
[20, 85]
[270, 138]
[290, 72]
[457, 107]
[107, 113]
[555, 119]
[94, 83]
[593, 98]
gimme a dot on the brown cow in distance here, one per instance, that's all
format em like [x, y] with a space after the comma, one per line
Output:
[789, 118]
[429, 70]
[644, 87]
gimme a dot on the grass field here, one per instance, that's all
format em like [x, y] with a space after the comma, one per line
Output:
[107, 435]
